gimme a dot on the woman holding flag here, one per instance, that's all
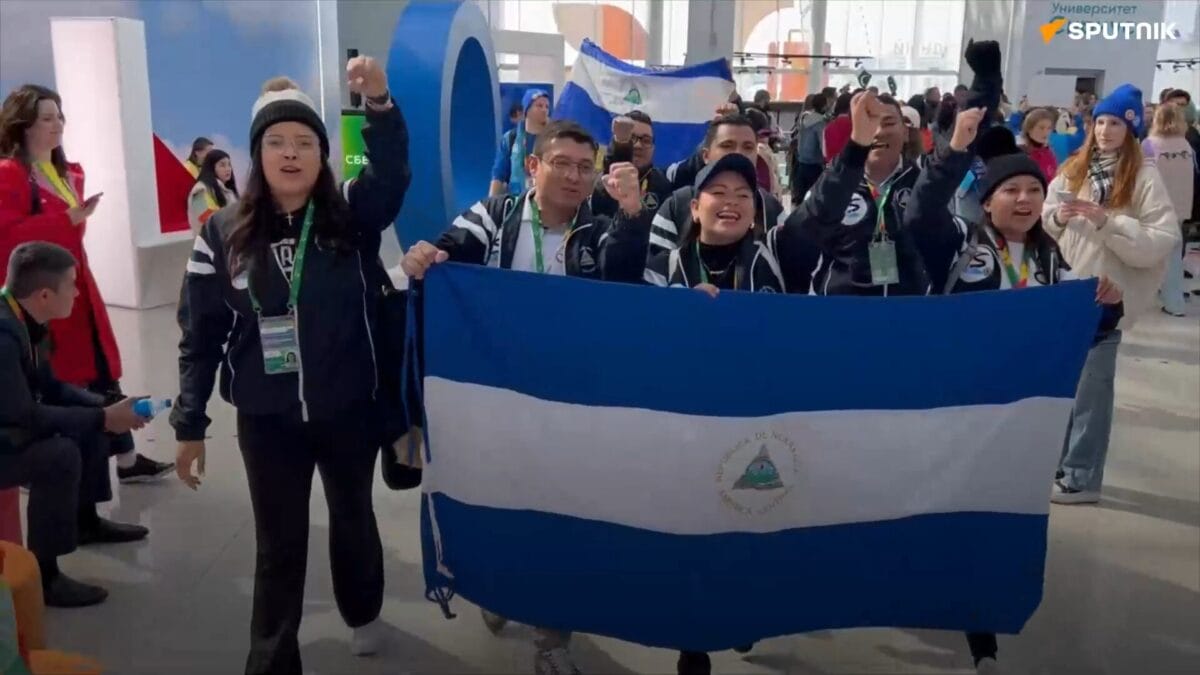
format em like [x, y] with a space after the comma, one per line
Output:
[724, 253]
[1008, 249]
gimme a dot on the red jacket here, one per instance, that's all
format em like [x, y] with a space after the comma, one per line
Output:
[74, 357]
[837, 135]
[1045, 159]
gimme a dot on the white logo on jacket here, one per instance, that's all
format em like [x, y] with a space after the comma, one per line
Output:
[901, 200]
[981, 267]
[856, 211]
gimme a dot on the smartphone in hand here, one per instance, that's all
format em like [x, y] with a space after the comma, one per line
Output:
[1066, 197]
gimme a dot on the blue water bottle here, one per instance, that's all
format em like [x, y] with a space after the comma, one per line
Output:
[149, 408]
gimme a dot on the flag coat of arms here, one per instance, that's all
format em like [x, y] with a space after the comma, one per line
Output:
[681, 101]
[695, 473]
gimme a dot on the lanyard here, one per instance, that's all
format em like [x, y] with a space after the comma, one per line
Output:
[297, 267]
[704, 268]
[880, 204]
[20, 313]
[56, 180]
[1017, 280]
[535, 224]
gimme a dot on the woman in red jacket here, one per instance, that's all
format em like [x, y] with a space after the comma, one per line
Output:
[41, 199]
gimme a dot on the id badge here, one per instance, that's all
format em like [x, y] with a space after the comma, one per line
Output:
[281, 349]
[884, 270]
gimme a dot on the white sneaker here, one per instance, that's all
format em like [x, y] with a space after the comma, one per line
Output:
[555, 661]
[366, 639]
[987, 666]
[494, 622]
[1069, 495]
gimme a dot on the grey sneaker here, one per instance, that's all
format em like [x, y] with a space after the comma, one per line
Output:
[555, 661]
[494, 622]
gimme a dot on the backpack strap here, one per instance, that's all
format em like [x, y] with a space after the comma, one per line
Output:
[963, 260]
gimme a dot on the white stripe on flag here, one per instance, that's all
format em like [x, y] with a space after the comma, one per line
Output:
[675, 473]
[678, 100]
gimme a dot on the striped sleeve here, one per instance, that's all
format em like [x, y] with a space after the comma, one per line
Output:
[202, 260]
[204, 322]
[664, 233]
[470, 236]
[656, 273]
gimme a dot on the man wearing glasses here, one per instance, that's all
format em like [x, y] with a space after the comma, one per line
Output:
[633, 141]
[550, 229]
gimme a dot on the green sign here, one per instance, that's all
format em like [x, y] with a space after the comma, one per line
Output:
[354, 156]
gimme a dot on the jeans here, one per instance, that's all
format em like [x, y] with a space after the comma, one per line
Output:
[1086, 445]
[1171, 292]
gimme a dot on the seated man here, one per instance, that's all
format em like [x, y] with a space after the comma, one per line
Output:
[52, 434]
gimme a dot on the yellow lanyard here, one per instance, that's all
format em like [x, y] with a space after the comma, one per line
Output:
[20, 314]
[60, 186]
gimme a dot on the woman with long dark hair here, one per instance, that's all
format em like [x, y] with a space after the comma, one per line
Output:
[215, 189]
[42, 199]
[1111, 215]
[195, 159]
[280, 296]
[1007, 250]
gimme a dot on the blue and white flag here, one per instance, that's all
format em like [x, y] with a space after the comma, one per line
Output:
[683, 472]
[681, 101]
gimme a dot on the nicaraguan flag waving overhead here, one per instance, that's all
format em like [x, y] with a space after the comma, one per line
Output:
[678, 471]
[681, 101]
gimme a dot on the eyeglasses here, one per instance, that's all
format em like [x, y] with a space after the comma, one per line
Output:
[565, 167]
[642, 139]
[305, 145]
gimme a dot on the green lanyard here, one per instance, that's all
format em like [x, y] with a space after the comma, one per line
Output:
[536, 225]
[297, 268]
[880, 214]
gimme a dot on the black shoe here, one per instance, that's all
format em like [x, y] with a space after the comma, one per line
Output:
[105, 531]
[744, 649]
[144, 470]
[694, 663]
[66, 592]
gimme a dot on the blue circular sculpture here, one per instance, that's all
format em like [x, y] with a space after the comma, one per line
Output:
[442, 70]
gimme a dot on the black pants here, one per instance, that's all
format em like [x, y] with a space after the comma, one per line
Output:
[806, 177]
[64, 475]
[983, 645]
[280, 453]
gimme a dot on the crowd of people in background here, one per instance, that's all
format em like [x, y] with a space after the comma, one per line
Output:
[939, 194]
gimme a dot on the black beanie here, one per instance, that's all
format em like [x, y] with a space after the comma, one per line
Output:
[288, 105]
[1000, 169]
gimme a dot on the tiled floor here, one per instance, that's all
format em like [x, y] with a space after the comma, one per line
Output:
[1122, 580]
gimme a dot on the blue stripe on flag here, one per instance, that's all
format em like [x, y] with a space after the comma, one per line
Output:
[672, 141]
[744, 355]
[715, 68]
[960, 571]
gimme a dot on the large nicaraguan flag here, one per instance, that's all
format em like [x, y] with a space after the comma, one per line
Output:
[681, 101]
[678, 471]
